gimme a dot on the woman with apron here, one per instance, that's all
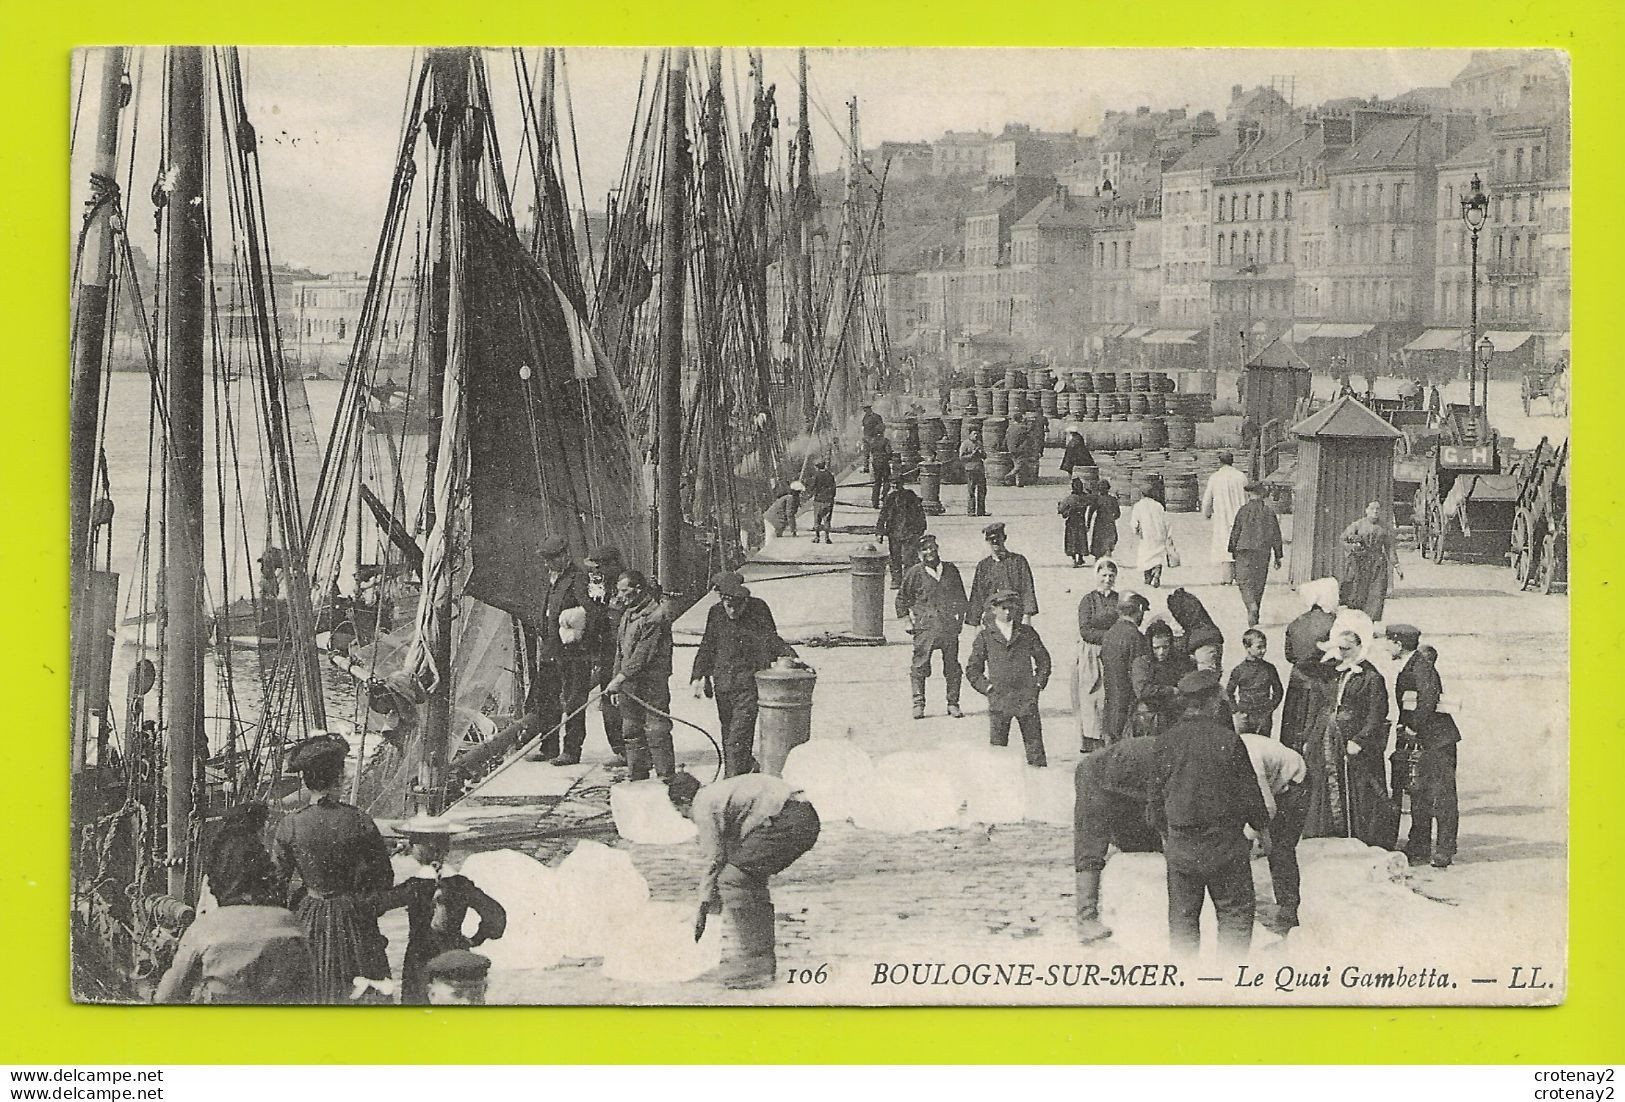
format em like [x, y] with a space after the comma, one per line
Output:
[1096, 612]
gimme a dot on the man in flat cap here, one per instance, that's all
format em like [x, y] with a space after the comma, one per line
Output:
[643, 671]
[563, 659]
[604, 566]
[1433, 802]
[1255, 538]
[740, 638]
[1010, 666]
[1203, 792]
[899, 526]
[821, 485]
[1001, 569]
[457, 977]
[932, 596]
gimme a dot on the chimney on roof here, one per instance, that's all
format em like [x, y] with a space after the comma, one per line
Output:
[1235, 92]
[1337, 131]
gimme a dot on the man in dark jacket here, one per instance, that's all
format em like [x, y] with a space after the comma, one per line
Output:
[1255, 537]
[643, 670]
[604, 568]
[874, 427]
[1009, 665]
[1203, 791]
[1155, 679]
[932, 596]
[1109, 809]
[1002, 569]
[880, 473]
[1121, 645]
[821, 485]
[740, 638]
[900, 525]
[1417, 690]
[563, 659]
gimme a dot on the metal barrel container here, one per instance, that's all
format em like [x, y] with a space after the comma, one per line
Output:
[1154, 433]
[953, 430]
[1016, 403]
[868, 570]
[999, 400]
[993, 433]
[931, 430]
[1137, 402]
[1156, 403]
[1181, 431]
[1182, 495]
[1049, 402]
[784, 713]
[1015, 379]
[931, 486]
[999, 467]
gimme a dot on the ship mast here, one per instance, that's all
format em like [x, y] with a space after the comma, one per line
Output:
[184, 333]
[92, 308]
[668, 385]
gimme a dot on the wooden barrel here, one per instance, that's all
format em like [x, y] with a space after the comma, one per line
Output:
[1182, 494]
[1091, 406]
[984, 375]
[1154, 432]
[953, 431]
[901, 435]
[1017, 402]
[1015, 379]
[1137, 402]
[1161, 383]
[1105, 382]
[962, 398]
[1000, 467]
[1040, 378]
[931, 430]
[1156, 403]
[1000, 402]
[984, 400]
[1083, 382]
[1049, 402]
[1076, 405]
[1140, 381]
[1181, 431]
[993, 433]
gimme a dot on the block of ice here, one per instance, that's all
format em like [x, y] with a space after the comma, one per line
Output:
[645, 815]
[993, 780]
[655, 944]
[598, 887]
[527, 890]
[900, 802]
[1050, 795]
[832, 772]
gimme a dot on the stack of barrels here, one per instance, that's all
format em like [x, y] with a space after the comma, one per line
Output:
[904, 437]
[1181, 473]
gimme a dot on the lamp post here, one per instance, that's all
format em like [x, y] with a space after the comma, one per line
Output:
[1475, 208]
[1486, 352]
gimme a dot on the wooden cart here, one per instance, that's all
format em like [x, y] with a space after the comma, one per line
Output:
[1540, 528]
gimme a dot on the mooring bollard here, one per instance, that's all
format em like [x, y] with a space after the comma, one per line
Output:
[869, 593]
[784, 695]
[931, 487]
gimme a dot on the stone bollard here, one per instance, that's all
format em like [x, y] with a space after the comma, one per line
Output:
[869, 593]
[931, 487]
[784, 718]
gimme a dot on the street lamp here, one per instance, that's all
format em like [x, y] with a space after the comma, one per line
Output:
[1475, 208]
[1486, 352]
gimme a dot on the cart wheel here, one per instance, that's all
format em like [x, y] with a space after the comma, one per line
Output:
[1548, 564]
[1522, 552]
[1438, 538]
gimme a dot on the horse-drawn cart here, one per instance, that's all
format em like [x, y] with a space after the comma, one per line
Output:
[1540, 528]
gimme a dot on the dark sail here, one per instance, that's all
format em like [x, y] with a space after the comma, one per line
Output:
[548, 453]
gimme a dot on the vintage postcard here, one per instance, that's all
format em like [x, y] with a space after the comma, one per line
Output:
[840, 527]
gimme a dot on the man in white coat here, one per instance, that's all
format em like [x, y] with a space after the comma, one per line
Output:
[1223, 497]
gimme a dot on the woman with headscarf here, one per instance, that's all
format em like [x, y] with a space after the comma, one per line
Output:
[1369, 557]
[1097, 612]
[1310, 678]
[1076, 453]
[1196, 623]
[1103, 520]
[1348, 736]
[1149, 520]
[1075, 509]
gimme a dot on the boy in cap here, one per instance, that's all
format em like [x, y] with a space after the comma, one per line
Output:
[1433, 803]
[1001, 569]
[751, 827]
[437, 899]
[821, 485]
[740, 639]
[1203, 791]
[457, 977]
[932, 596]
[1010, 666]
[1254, 688]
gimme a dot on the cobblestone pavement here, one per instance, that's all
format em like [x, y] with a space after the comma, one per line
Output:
[1004, 893]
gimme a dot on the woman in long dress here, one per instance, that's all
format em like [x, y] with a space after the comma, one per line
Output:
[1149, 521]
[1348, 795]
[1075, 509]
[1369, 556]
[341, 863]
[1097, 611]
[1103, 521]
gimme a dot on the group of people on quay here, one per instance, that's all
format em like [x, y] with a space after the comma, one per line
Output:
[1180, 752]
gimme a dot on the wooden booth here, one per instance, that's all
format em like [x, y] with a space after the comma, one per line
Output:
[1345, 459]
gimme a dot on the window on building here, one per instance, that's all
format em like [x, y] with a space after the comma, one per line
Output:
[1246, 207]
[1365, 196]
[1274, 244]
[1286, 204]
[1379, 195]
[1275, 204]
[1221, 208]
[1517, 163]
[1537, 168]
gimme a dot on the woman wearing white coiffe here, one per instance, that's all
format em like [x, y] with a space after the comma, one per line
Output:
[1149, 521]
[1222, 499]
[1097, 611]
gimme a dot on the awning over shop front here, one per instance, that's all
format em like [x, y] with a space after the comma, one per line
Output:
[1507, 340]
[1438, 340]
[1115, 328]
[1135, 333]
[1172, 336]
[1340, 331]
[1301, 332]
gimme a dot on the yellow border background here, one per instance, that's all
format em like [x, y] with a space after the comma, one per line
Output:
[38, 1024]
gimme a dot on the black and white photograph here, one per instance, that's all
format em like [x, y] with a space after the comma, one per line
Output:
[828, 526]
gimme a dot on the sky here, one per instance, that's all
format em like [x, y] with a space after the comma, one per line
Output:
[330, 118]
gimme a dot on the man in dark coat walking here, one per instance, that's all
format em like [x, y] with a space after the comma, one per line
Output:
[874, 427]
[933, 598]
[1120, 646]
[1433, 803]
[821, 485]
[1203, 791]
[1255, 538]
[563, 656]
[1010, 666]
[880, 473]
[1002, 569]
[740, 638]
[900, 525]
